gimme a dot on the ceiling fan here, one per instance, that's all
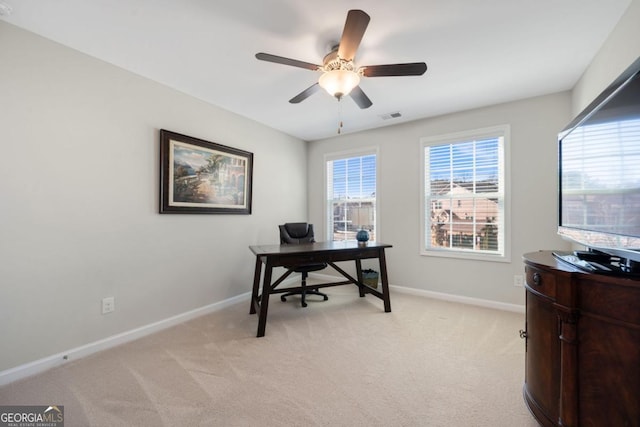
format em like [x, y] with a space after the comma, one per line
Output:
[340, 76]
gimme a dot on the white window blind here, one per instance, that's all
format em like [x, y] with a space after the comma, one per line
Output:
[351, 196]
[464, 194]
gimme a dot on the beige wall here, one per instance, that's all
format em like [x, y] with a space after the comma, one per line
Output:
[621, 48]
[79, 212]
[534, 126]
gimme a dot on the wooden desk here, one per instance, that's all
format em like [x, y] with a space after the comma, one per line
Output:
[329, 252]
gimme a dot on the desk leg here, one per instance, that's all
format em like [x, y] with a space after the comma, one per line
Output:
[264, 302]
[359, 276]
[256, 285]
[385, 282]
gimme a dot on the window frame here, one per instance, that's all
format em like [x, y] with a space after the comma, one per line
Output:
[342, 155]
[503, 131]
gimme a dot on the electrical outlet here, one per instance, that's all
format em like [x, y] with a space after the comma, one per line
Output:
[518, 281]
[108, 305]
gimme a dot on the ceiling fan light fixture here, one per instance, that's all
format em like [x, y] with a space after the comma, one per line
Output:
[339, 83]
[340, 76]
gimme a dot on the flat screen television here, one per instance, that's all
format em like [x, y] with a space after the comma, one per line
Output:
[599, 178]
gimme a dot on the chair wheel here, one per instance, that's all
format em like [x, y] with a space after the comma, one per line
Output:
[283, 299]
[326, 297]
[304, 304]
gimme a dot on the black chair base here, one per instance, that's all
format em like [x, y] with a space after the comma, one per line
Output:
[303, 295]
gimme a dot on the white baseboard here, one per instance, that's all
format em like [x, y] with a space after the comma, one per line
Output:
[441, 296]
[461, 299]
[41, 365]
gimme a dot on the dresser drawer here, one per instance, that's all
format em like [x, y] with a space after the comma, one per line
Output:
[541, 281]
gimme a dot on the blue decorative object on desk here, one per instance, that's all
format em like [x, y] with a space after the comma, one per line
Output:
[362, 236]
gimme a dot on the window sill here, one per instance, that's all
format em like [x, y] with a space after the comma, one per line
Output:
[474, 256]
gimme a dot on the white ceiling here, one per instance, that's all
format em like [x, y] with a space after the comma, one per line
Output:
[478, 52]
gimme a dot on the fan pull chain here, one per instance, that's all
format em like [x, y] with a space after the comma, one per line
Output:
[339, 117]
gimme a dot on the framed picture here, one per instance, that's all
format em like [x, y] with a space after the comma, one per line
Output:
[202, 177]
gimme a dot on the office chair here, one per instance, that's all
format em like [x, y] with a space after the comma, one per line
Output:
[295, 233]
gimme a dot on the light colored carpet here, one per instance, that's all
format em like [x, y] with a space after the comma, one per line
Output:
[342, 362]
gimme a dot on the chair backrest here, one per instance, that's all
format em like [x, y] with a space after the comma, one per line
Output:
[296, 233]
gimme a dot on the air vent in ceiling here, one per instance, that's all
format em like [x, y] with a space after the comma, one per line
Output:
[391, 116]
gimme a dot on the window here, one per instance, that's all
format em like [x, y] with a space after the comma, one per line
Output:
[351, 195]
[465, 210]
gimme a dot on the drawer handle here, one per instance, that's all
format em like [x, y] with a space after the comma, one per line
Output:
[537, 279]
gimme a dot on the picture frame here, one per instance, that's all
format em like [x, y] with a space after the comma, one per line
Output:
[203, 177]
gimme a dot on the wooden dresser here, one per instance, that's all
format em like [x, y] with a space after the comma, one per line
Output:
[582, 345]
